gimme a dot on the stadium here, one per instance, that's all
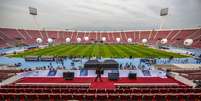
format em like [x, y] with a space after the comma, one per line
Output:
[95, 50]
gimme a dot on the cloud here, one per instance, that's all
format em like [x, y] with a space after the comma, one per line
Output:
[100, 14]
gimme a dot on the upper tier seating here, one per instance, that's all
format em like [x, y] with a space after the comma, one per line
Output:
[174, 37]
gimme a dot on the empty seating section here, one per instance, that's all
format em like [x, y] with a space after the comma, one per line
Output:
[28, 38]
[98, 36]
[152, 39]
[137, 37]
[99, 97]
[60, 93]
[5, 74]
[162, 34]
[73, 36]
[182, 35]
[174, 37]
[80, 35]
[124, 37]
[144, 35]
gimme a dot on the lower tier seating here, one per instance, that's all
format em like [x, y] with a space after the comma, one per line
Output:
[99, 97]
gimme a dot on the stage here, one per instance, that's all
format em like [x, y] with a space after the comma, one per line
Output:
[92, 73]
[42, 77]
[106, 83]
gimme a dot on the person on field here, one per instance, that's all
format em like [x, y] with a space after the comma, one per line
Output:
[98, 73]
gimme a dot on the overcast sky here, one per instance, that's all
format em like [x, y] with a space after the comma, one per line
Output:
[100, 14]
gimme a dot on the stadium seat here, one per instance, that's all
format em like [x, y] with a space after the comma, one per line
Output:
[120, 91]
[113, 97]
[154, 91]
[147, 98]
[47, 90]
[78, 97]
[101, 97]
[145, 90]
[81, 90]
[125, 97]
[101, 91]
[56, 97]
[31, 97]
[65, 91]
[19, 97]
[67, 97]
[136, 91]
[91, 91]
[89, 97]
[43, 97]
[56, 91]
[136, 97]
[160, 98]
[172, 98]
[2, 97]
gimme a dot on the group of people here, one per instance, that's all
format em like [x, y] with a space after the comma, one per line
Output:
[127, 66]
[179, 61]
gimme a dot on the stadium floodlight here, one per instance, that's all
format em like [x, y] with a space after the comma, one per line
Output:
[33, 11]
[68, 40]
[129, 40]
[118, 40]
[144, 41]
[164, 41]
[104, 39]
[86, 38]
[188, 42]
[50, 40]
[78, 40]
[164, 12]
[39, 40]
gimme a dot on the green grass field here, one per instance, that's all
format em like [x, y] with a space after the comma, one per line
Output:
[99, 50]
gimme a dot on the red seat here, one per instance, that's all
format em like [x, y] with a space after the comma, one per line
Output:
[91, 91]
[154, 91]
[55, 97]
[160, 98]
[136, 91]
[145, 90]
[65, 90]
[101, 91]
[43, 97]
[31, 97]
[147, 97]
[89, 97]
[120, 91]
[136, 97]
[113, 97]
[19, 97]
[2, 90]
[67, 97]
[47, 90]
[56, 90]
[82, 90]
[127, 91]
[78, 97]
[125, 97]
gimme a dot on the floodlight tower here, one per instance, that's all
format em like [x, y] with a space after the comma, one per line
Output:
[163, 15]
[33, 12]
